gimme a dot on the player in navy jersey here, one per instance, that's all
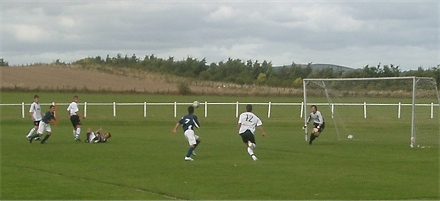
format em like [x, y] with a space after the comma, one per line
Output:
[45, 125]
[189, 122]
[318, 123]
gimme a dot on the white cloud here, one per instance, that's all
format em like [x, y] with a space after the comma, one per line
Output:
[346, 33]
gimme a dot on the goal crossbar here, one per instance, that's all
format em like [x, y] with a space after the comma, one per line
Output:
[360, 79]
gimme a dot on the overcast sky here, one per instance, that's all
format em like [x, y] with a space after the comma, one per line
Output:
[347, 33]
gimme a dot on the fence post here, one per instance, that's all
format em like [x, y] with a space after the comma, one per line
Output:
[268, 109]
[398, 110]
[175, 109]
[206, 109]
[85, 109]
[114, 109]
[236, 109]
[145, 109]
[365, 110]
[22, 109]
[333, 110]
[432, 110]
[302, 110]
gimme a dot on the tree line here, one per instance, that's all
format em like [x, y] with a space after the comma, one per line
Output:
[247, 72]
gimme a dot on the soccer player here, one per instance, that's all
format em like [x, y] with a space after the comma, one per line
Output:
[246, 128]
[318, 123]
[45, 125]
[74, 116]
[189, 122]
[96, 136]
[35, 112]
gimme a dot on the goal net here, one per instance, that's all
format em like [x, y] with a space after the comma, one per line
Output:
[402, 110]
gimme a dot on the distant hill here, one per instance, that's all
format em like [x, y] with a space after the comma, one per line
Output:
[316, 67]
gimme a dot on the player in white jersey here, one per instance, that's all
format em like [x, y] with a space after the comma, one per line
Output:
[318, 123]
[97, 137]
[74, 116]
[246, 128]
[35, 112]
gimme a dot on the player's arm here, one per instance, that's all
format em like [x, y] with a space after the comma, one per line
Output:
[307, 122]
[99, 130]
[321, 120]
[79, 115]
[31, 112]
[260, 126]
[175, 127]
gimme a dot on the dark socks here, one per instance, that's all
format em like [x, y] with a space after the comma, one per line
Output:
[44, 139]
[312, 137]
[190, 150]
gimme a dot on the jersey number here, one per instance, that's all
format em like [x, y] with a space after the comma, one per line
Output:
[249, 118]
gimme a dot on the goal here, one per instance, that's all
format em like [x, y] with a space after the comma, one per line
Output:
[401, 109]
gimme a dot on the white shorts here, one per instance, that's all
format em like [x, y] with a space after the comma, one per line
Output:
[91, 136]
[43, 127]
[191, 137]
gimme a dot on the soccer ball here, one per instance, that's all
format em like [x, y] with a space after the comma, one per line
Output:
[350, 137]
[196, 104]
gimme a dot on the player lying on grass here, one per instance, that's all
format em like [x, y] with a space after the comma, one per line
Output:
[45, 125]
[189, 122]
[96, 136]
[318, 123]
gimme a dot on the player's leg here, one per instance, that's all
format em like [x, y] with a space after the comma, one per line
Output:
[190, 136]
[33, 129]
[72, 120]
[314, 133]
[39, 131]
[78, 128]
[48, 133]
[198, 140]
[249, 139]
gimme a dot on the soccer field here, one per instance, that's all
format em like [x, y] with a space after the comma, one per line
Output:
[144, 160]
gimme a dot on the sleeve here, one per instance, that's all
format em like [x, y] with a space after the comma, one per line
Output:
[197, 122]
[320, 118]
[181, 121]
[32, 108]
[259, 122]
[239, 118]
[308, 118]
[68, 108]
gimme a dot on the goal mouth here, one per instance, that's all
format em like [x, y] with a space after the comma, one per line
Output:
[402, 109]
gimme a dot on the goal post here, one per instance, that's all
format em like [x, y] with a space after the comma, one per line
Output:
[419, 96]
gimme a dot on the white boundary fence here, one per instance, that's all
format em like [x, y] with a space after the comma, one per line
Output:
[206, 104]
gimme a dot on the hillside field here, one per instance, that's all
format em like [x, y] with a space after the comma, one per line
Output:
[144, 161]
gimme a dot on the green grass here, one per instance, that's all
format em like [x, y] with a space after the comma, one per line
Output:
[144, 160]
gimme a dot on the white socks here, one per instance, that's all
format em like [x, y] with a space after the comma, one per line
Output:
[78, 131]
[31, 132]
[250, 151]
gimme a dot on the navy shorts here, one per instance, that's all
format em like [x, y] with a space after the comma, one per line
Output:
[75, 120]
[248, 136]
[36, 123]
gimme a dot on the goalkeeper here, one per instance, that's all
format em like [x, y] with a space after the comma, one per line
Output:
[318, 123]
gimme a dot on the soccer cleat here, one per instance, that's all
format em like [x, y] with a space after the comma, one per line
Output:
[37, 139]
[77, 140]
[254, 158]
[188, 159]
[30, 140]
[193, 153]
[43, 142]
[86, 140]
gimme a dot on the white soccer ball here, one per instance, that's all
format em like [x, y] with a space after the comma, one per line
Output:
[350, 137]
[196, 104]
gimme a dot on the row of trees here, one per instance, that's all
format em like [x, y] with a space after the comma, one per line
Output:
[250, 72]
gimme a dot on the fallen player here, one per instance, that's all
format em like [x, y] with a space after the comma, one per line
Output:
[97, 137]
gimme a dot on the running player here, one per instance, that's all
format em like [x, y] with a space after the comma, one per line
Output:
[189, 122]
[45, 125]
[318, 123]
[35, 112]
[74, 116]
[246, 128]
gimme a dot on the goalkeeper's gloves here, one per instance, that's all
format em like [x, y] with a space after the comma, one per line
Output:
[305, 126]
[317, 127]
